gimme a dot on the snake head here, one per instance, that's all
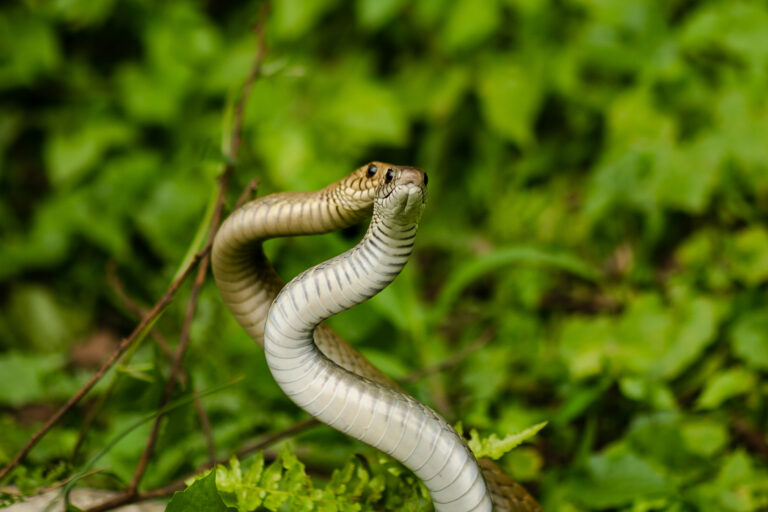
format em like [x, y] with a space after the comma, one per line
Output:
[401, 195]
[358, 190]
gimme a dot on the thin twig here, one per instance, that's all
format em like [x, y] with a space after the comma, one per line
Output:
[247, 194]
[205, 424]
[276, 436]
[124, 344]
[131, 493]
[182, 377]
[171, 291]
[176, 369]
[261, 50]
[450, 362]
[132, 306]
[202, 272]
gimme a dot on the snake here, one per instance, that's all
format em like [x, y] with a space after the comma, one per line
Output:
[313, 365]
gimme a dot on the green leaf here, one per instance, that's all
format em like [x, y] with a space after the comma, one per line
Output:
[510, 97]
[366, 112]
[696, 328]
[470, 22]
[373, 14]
[726, 385]
[618, 478]
[29, 45]
[704, 437]
[477, 267]
[750, 255]
[22, 377]
[293, 18]
[201, 496]
[494, 447]
[749, 338]
[71, 153]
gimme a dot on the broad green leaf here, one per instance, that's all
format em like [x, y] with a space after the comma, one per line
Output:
[524, 464]
[30, 47]
[510, 96]
[697, 325]
[749, 338]
[293, 18]
[23, 377]
[477, 267]
[83, 12]
[704, 437]
[372, 14]
[725, 385]
[749, 258]
[586, 344]
[677, 186]
[618, 478]
[71, 153]
[365, 111]
[470, 22]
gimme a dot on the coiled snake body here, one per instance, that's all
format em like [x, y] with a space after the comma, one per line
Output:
[313, 365]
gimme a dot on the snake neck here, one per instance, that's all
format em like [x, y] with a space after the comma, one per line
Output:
[246, 280]
[378, 415]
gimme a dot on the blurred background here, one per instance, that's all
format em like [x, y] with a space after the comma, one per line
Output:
[597, 216]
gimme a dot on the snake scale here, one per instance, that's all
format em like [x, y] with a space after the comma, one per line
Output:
[313, 365]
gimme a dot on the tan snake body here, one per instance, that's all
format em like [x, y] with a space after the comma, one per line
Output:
[249, 284]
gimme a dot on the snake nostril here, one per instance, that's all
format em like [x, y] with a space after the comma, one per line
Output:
[426, 179]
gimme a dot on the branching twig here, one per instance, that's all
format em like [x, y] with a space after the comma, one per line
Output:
[200, 259]
[124, 344]
[131, 493]
[247, 193]
[132, 306]
[176, 367]
[182, 377]
[202, 271]
[450, 362]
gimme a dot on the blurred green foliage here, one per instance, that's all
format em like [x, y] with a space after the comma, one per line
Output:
[599, 196]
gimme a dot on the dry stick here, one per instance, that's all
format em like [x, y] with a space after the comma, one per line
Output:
[131, 305]
[176, 369]
[248, 192]
[202, 270]
[450, 362]
[131, 491]
[124, 344]
[170, 292]
[182, 378]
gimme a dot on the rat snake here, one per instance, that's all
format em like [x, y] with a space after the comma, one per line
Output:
[329, 378]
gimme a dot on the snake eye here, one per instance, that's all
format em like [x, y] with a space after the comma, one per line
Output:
[390, 175]
[372, 170]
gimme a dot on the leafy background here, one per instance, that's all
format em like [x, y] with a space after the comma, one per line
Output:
[599, 195]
